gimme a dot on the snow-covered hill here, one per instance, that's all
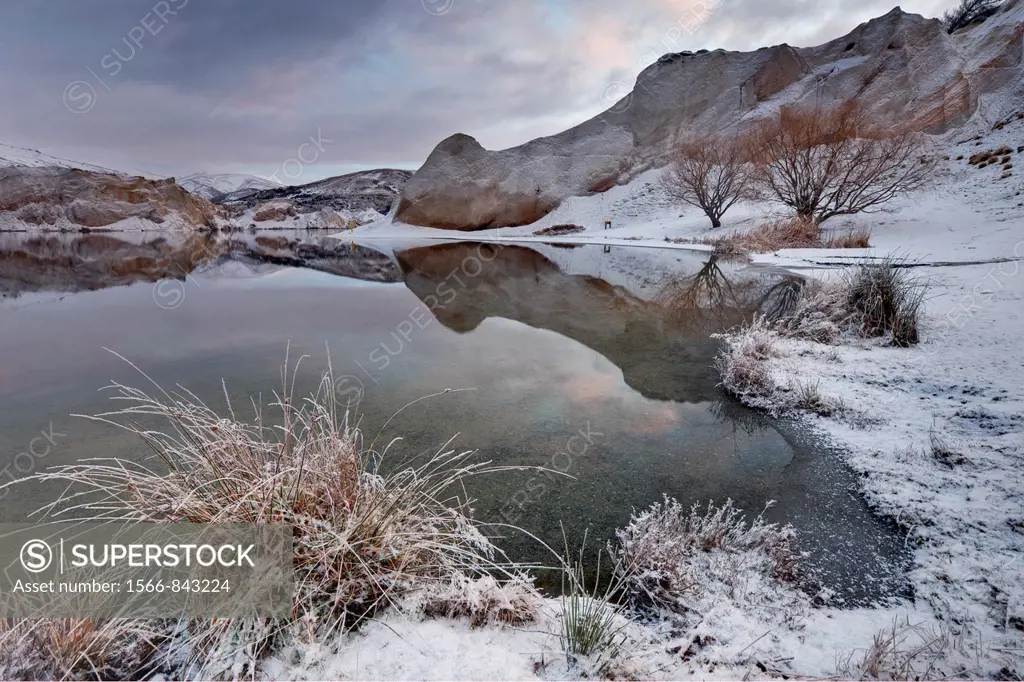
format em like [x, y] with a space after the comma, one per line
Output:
[213, 185]
[33, 158]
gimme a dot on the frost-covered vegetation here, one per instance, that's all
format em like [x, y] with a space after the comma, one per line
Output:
[365, 535]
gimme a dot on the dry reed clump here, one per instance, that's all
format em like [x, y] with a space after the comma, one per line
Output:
[771, 235]
[787, 233]
[556, 230]
[363, 534]
[887, 301]
[677, 558]
[593, 621]
[853, 238]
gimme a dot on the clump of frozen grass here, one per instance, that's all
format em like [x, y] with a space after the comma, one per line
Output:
[484, 600]
[744, 364]
[809, 397]
[888, 300]
[68, 649]
[872, 300]
[592, 623]
[680, 559]
[903, 652]
[363, 534]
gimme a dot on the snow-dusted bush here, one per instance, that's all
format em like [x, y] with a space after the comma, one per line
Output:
[678, 560]
[745, 364]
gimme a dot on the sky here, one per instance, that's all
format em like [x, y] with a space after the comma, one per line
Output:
[299, 90]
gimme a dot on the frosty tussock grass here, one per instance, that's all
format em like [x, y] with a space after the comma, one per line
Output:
[364, 533]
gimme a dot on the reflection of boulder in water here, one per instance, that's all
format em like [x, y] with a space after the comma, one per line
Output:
[88, 262]
[464, 284]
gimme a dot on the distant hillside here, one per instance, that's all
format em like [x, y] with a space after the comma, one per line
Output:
[213, 185]
[355, 198]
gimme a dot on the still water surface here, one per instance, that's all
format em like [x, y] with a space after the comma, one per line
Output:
[595, 364]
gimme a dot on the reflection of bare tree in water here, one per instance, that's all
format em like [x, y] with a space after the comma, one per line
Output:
[709, 301]
[781, 297]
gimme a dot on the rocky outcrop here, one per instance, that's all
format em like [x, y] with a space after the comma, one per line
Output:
[333, 203]
[273, 210]
[462, 186]
[74, 199]
[902, 69]
[784, 67]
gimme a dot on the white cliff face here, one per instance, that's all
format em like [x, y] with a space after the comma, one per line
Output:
[902, 69]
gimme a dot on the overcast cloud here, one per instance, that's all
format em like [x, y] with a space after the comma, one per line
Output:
[171, 87]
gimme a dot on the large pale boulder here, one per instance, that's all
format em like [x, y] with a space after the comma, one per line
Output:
[462, 186]
[902, 69]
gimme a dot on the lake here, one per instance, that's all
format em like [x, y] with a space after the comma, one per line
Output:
[591, 362]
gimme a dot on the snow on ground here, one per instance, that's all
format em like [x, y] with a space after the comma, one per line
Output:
[962, 388]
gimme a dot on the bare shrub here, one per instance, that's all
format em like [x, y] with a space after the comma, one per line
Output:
[677, 556]
[967, 12]
[362, 535]
[824, 163]
[711, 174]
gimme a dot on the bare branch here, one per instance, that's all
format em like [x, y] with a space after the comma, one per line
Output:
[825, 163]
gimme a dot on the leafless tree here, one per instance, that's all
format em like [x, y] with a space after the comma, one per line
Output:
[967, 12]
[823, 163]
[709, 173]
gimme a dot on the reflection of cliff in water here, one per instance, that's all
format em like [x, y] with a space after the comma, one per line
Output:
[663, 346]
[89, 262]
